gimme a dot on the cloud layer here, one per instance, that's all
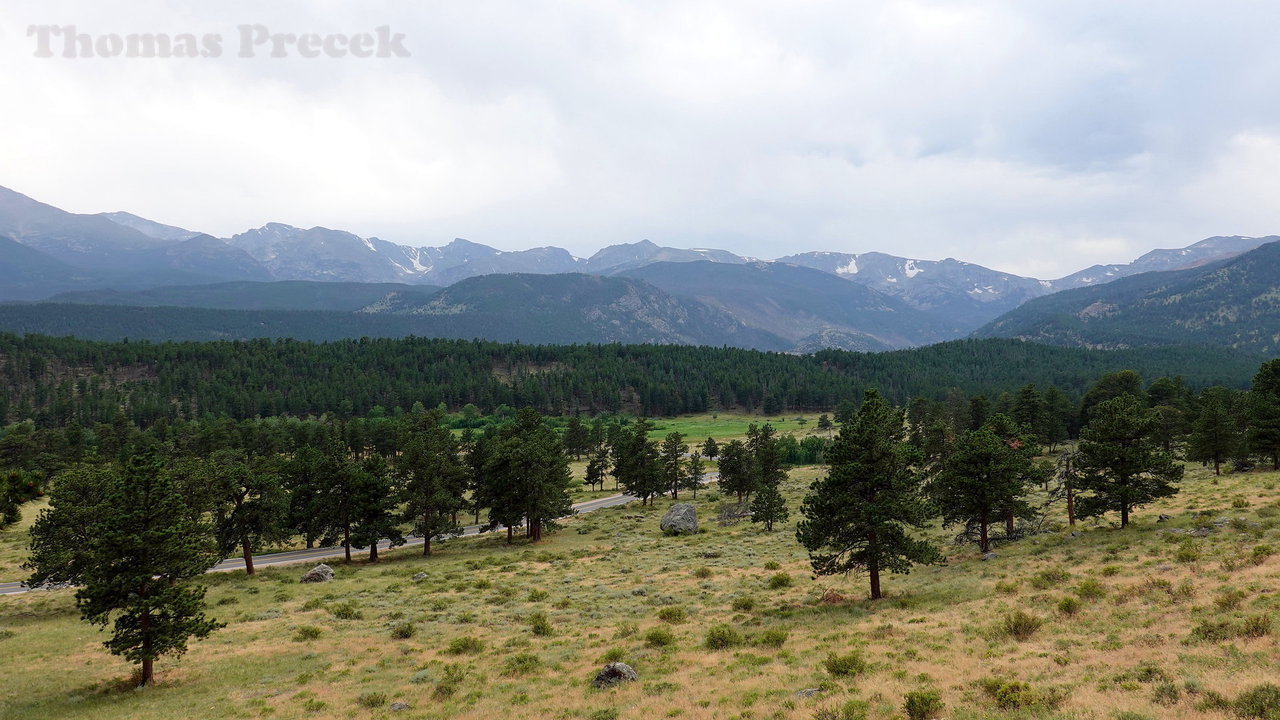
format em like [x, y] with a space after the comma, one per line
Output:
[1031, 137]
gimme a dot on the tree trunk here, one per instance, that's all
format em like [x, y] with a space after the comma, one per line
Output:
[373, 551]
[509, 534]
[426, 545]
[874, 571]
[148, 666]
[346, 540]
[1008, 523]
[1217, 466]
[1124, 516]
[1071, 506]
[248, 555]
[984, 542]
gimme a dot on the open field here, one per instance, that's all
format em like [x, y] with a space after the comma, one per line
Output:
[730, 426]
[1161, 621]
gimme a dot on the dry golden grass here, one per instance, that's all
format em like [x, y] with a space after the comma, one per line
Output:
[605, 576]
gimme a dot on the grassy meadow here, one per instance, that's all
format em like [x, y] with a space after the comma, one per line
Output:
[1167, 620]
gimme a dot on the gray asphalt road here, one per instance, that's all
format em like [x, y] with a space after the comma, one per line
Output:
[301, 556]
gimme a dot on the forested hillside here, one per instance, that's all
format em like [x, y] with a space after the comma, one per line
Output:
[1230, 303]
[56, 380]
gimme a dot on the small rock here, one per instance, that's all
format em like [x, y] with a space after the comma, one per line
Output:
[808, 692]
[420, 577]
[1164, 518]
[681, 519]
[614, 673]
[989, 556]
[399, 706]
[639, 592]
[319, 573]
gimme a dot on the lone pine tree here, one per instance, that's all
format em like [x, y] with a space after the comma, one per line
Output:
[859, 516]
[123, 534]
[1119, 466]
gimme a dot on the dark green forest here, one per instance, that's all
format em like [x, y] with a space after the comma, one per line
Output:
[53, 381]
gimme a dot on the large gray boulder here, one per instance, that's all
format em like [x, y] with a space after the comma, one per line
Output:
[615, 673]
[319, 573]
[681, 519]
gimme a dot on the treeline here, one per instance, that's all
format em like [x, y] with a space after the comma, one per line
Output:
[55, 381]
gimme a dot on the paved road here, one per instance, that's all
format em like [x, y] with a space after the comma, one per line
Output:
[301, 556]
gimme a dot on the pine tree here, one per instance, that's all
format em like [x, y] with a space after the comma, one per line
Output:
[433, 479]
[1118, 464]
[737, 475]
[768, 506]
[577, 439]
[250, 506]
[1264, 413]
[695, 472]
[597, 468]
[530, 471]
[983, 479]
[124, 536]
[858, 516]
[671, 458]
[1215, 436]
[636, 462]
[710, 450]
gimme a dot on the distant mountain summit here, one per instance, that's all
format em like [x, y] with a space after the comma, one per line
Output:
[864, 301]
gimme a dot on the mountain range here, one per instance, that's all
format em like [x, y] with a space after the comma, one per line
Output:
[635, 292]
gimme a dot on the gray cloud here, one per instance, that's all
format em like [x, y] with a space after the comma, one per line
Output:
[1032, 137]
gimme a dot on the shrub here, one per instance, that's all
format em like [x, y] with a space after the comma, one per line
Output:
[1166, 693]
[465, 645]
[1261, 553]
[1090, 589]
[346, 611]
[1053, 577]
[744, 604]
[673, 614]
[852, 710]
[1069, 605]
[539, 624]
[722, 637]
[538, 595]
[771, 638]
[1187, 553]
[626, 630]
[1230, 598]
[1020, 625]
[773, 565]
[1255, 626]
[1213, 631]
[702, 572]
[1262, 701]
[404, 631]
[845, 665]
[372, 699]
[659, 637]
[1016, 695]
[613, 655]
[306, 632]
[451, 677]
[780, 580]
[923, 705]
[521, 664]
[1239, 502]
[604, 714]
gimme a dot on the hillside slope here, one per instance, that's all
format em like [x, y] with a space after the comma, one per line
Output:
[1235, 303]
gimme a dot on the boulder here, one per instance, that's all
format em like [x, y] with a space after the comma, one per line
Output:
[420, 577]
[399, 706]
[989, 556]
[615, 673]
[1164, 518]
[681, 519]
[808, 692]
[319, 573]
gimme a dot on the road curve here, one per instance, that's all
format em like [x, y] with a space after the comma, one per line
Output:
[292, 557]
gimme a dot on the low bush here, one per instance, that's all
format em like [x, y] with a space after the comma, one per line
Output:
[521, 664]
[465, 645]
[744, 604]
[1262, 701]
[346, 611]
[923, 705]
[779, 581]
[372, 700]
[845, 665]
[1020, 625]
[404, 631]
[673, 614]
[1090, 589]
[1051, 578]
[1166, 693]
[723, 637]
[659, 637]
[1069, 605]
[1018, 695]
[540, 625]
[771, 638]
[306, 632]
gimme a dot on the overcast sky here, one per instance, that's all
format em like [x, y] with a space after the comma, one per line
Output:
[1034, 137]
